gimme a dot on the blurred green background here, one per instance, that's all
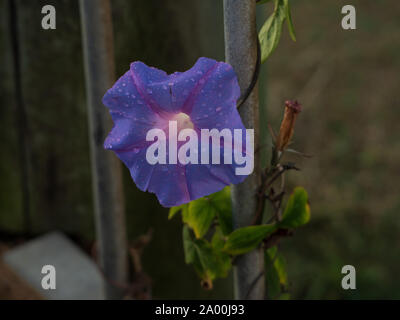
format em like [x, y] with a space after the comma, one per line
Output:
[347, 81]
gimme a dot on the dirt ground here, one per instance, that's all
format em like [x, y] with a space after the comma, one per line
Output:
[11, 286]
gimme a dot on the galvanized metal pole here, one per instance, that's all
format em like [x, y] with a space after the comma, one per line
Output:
[106, 171]
[241, 53]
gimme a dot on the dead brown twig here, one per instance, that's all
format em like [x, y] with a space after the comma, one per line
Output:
[268, 178]
[139, 287]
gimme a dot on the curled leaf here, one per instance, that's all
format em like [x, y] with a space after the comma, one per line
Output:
[297, 211]
[275, 273]
[246, 239]
[271, 31]
[289, 20]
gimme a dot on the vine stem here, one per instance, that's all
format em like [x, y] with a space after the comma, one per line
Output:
[241, 52]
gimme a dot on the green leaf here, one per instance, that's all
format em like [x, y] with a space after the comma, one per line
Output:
[275, 273]
[289, 20]
[218, 240]
[188, 246]
[271, 31]
[201, 213]
[174, 210]
[246, 239]
[297, 211]
[278, 263]
[216, 263]
[191, 254]
[222, 202]
[201, 216]
[208, 262]
[185, 213]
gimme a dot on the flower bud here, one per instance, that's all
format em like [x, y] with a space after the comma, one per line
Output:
[292, 109]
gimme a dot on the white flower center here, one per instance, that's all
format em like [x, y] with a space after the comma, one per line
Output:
[183, 121]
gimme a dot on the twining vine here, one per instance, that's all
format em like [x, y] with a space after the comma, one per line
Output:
[210, 243]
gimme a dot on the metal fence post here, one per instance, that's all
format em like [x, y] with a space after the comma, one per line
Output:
[106, 170]
[241, 53]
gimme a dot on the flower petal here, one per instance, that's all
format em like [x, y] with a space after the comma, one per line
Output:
[170, 93]
[214, 105]
[169, 183]
[146, 98]
[141, 171]
[204, 180]
[132, 117]
[124, 99]
[126, 133]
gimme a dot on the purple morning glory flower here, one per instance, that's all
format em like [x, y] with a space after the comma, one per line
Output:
[146, 98]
